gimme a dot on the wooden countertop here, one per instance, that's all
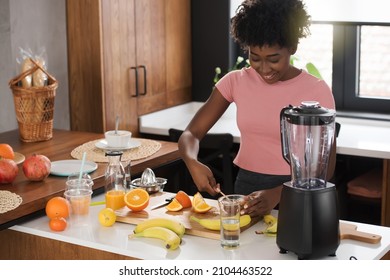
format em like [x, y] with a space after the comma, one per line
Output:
[36, 194]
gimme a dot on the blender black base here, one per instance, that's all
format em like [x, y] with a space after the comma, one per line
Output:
[308, 222]
[303, 257]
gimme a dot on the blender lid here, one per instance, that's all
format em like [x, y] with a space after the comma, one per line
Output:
[310, 113]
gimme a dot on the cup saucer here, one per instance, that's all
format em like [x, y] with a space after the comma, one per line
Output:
[102, 144]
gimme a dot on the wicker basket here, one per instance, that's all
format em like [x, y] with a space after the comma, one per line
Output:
[34, 107]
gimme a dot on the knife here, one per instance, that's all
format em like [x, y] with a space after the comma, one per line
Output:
[166, 202]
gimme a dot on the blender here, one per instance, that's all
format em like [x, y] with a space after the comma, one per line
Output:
[308, 219]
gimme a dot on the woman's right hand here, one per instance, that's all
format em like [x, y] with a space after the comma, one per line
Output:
[203, 178]
[189, 141]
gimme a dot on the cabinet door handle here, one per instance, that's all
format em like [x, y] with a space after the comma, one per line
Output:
[145, 77]
[136, 80]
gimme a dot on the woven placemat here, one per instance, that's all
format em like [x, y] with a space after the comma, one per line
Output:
[147, 148]
[9, 201]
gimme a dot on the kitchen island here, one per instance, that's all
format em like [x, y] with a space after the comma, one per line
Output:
[36, 194]
[87, 239]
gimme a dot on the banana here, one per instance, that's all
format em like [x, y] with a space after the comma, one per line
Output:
[272, 225]
[245, 220]
[272, 229]
[269, 219]
[172, 240]
[215, 224]
[212, 224]
[175, 226]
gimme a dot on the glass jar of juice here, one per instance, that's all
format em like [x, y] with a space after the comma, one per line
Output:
[115, 182]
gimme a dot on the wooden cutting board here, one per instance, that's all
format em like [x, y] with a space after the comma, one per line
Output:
[349, 231]
[125, 215]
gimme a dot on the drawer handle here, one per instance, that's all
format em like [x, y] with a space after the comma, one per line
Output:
[136, 80]
[145, 77]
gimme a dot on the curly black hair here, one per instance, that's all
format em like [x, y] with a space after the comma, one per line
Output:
[270, 22]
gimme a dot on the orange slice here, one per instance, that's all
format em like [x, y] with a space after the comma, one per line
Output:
[199, 204]
[198, 198]
[137, 199]
[174, 205]
[183, 198]
[202, 208]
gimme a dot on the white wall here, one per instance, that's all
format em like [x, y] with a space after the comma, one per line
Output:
[36, 25]
[342, 10]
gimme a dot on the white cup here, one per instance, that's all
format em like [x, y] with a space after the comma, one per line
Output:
[121, 139]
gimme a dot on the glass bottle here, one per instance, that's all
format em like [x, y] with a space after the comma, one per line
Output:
[127, 166]
[115, 184]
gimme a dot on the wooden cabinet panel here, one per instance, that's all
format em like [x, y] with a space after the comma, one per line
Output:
[125, 48]
[179, 76]
[84, 65]
[151, 53]
[119, 55]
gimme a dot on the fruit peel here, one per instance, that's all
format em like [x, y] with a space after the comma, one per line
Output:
[272, 226]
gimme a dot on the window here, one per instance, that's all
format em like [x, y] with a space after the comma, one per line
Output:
[350, 46]
[354, 60]
[374, 70]
[317, 48]
[361, 68]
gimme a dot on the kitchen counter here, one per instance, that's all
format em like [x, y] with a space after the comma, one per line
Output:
[113, 242]
[36, 194]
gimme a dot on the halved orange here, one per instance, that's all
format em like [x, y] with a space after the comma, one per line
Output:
[137, 199]
[183, 199]
[199, 204]
[174, 205]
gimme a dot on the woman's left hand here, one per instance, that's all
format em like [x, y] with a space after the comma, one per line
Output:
[260, 203]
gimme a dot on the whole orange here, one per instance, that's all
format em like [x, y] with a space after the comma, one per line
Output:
[58, 224]
[57, 207]
[6, 151]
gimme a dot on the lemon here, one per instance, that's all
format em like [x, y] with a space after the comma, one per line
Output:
[107, 217]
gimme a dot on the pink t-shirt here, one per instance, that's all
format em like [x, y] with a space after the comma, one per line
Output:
[258, 114]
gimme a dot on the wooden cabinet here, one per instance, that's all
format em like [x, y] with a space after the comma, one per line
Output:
[126, 58]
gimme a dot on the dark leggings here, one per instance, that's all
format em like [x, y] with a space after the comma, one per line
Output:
[248, 181]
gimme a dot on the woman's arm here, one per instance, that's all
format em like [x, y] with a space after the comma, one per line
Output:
[201, 123]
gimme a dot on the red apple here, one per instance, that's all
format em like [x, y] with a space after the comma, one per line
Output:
[8, 170]
[36, 167]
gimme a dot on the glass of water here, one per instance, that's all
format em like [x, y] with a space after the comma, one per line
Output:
[229, 208]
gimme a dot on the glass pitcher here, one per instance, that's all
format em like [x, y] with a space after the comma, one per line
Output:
[307, 135]
[115, 181]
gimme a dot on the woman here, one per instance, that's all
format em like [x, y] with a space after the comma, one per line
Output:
[269, 30]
